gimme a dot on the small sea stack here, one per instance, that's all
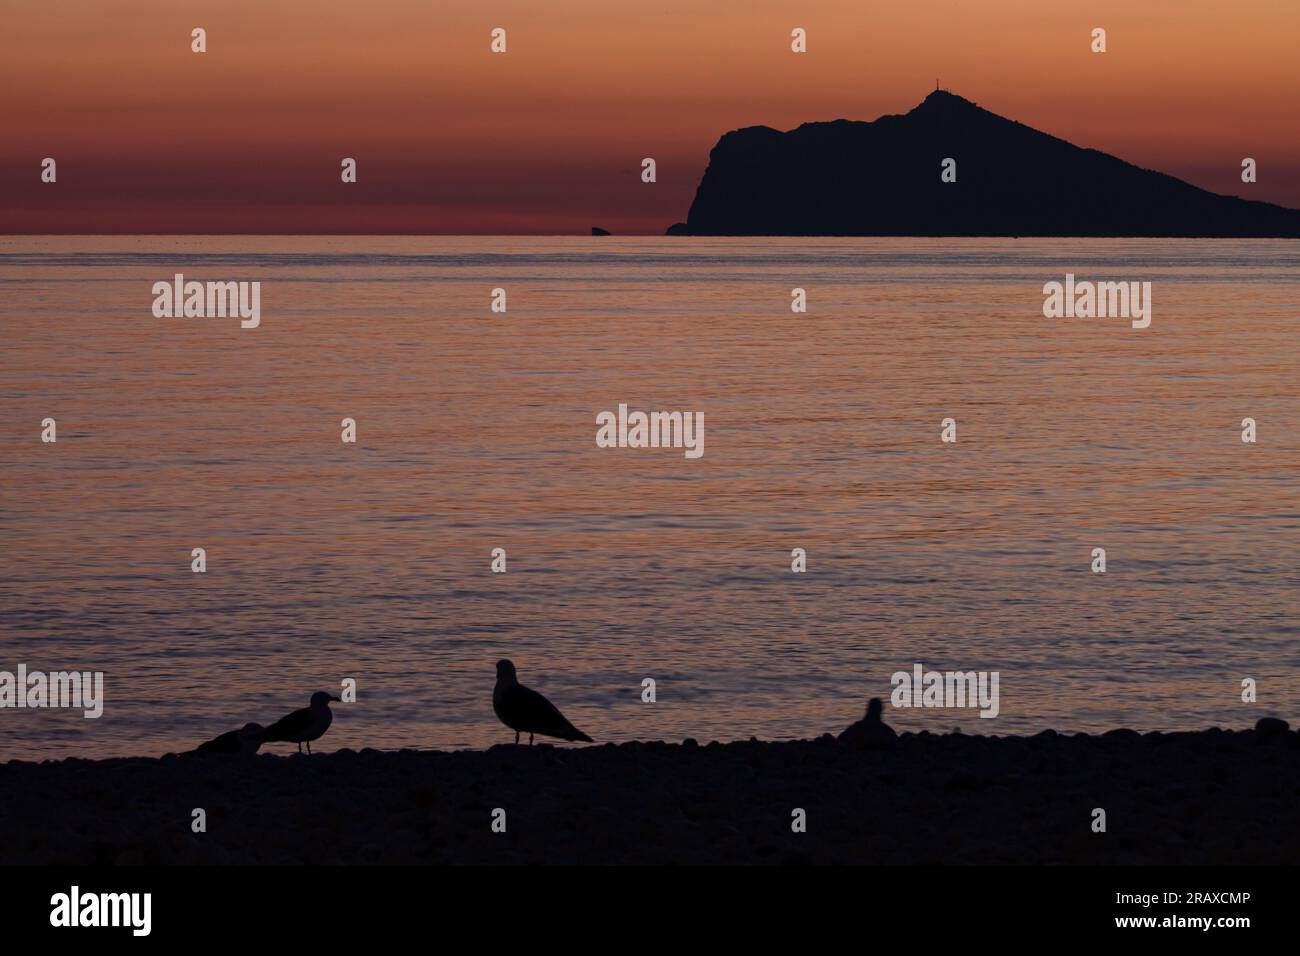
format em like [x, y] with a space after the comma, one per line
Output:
[1267, 727]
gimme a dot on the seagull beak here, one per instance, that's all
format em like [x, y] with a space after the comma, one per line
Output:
[337, 700]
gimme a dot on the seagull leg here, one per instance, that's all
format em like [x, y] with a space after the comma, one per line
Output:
[300, 747]
[530, 740]
[516, 738]
[309, 748]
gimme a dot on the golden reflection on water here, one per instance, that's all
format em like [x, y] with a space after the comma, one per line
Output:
[476, 430]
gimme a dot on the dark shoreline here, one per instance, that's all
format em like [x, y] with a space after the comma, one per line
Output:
[1207, 797]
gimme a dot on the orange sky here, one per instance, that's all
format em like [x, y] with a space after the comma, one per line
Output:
[548, 137]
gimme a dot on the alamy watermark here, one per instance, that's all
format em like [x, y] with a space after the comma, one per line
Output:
[78, 690]
[651, 430]
[1086, 300]
[75, 908]
[201, 300]
[922, 688]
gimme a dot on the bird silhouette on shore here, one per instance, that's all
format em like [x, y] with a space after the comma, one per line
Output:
[871, 729]
[303, 726]
[243, 742]
[526, 711]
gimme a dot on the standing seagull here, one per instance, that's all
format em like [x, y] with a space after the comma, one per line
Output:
[303, 726]
[525, 710]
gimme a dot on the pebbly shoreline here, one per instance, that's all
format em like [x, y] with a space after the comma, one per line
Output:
[1207, 797]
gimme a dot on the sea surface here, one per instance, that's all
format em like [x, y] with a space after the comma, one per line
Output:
[476, 430]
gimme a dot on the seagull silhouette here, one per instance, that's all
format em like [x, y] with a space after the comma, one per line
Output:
[242, 742]
[526, 711]
[303, 726]
[871, 729]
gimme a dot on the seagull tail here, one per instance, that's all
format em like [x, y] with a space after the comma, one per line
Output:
[579, 735]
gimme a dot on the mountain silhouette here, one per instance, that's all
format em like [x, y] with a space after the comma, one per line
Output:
[882, 178]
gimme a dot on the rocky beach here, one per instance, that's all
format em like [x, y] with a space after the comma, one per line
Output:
[1207, 797]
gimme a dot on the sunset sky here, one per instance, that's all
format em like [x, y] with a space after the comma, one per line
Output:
[548, 137]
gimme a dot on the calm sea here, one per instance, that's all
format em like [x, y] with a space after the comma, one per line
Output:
[476, 430]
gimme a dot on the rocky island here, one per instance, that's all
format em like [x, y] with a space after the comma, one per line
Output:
[951, 168]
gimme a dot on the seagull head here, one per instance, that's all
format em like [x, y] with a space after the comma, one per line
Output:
[249, 729]
[506, 672]
[322, 699]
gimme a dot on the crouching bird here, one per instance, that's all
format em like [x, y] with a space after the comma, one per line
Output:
[303, 726]
[243, 742]
[526, 711]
